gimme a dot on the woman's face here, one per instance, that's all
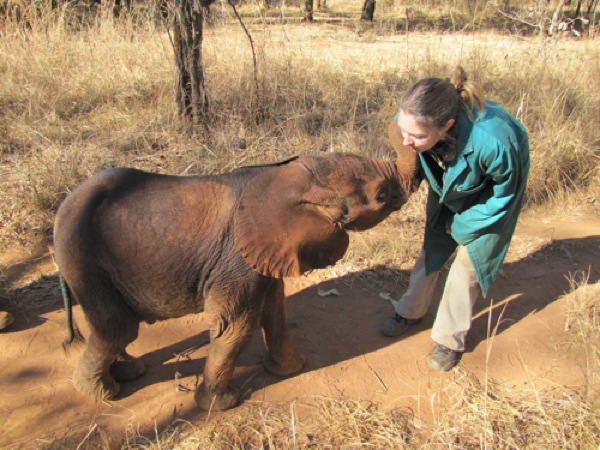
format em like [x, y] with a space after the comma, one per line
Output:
[417, 136]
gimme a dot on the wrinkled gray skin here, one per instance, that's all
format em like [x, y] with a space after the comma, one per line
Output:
[133, 246]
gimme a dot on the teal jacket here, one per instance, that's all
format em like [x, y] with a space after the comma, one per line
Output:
[480, 193]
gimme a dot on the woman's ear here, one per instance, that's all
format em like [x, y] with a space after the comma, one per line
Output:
[448, 125]
[286, 224]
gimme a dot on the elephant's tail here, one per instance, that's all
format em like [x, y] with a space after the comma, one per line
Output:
[73, 333]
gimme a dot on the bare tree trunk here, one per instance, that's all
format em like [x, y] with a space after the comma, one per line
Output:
[556, 17]
[589, 10]
[368, 10]
[308, 11]
[187, 42]
[119, 5]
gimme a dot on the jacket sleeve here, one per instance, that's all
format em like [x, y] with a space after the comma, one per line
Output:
[500, 169]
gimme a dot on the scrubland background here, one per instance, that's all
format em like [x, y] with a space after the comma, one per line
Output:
[81, 90]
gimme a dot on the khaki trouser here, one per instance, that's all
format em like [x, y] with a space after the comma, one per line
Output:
[455, 312]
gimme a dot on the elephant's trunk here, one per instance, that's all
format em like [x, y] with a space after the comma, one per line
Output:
[407, 161]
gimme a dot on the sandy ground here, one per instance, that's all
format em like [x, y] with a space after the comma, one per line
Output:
[346, 354]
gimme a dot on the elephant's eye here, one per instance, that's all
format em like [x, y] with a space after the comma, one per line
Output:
[383, 195]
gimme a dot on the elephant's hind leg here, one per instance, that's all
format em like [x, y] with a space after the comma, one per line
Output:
[126, 367]
[92, 377]
[281, 358]
[113, 326]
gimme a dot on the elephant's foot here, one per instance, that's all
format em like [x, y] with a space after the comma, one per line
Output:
[99, 386]
[127, 368]
[216, 400]
[290, 366]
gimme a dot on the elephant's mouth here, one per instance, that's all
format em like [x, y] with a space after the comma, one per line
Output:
[358, 223]
[364, 223]
[353, 227]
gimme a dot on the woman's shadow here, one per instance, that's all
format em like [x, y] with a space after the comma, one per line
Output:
[529, 285]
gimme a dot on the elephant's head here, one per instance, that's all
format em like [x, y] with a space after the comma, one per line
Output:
[407, 161]
[294, 217]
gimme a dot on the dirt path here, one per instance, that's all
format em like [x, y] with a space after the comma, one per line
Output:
[339, 335]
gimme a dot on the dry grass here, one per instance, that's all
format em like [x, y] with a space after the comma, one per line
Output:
[75, 102]
[467, 413]
[72, 103]
[464, 412]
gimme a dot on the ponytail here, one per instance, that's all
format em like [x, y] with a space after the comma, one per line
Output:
[469, 93]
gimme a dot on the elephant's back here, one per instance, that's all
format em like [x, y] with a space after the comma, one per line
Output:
[92, 192]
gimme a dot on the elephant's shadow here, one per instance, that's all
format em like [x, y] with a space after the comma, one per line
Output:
[174, 361]
[331, 329]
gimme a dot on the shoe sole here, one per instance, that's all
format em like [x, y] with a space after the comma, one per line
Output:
[445, 368]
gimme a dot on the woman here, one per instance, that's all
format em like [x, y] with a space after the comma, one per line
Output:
[475, 156]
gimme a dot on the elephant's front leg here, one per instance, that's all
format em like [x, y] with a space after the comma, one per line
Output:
[281, 358]
[228, 338]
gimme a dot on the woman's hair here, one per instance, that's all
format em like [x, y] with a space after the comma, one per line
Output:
[434, 101]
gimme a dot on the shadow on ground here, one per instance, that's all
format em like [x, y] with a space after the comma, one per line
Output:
[327, 330]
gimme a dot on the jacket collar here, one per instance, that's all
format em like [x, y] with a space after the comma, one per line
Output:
[459, 163]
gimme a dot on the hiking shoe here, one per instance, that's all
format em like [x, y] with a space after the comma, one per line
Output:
[5, 319]
[397, 325]
[442, 358]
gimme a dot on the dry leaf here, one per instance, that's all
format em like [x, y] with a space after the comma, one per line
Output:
[328, 293]
[385, 296]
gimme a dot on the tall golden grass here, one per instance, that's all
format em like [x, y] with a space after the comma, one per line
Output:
[74, 102]
[76, 97]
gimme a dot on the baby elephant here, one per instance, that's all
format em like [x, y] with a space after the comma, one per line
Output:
[134, 246]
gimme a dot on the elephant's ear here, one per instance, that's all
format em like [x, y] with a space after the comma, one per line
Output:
[407, 161]
[286, 224]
